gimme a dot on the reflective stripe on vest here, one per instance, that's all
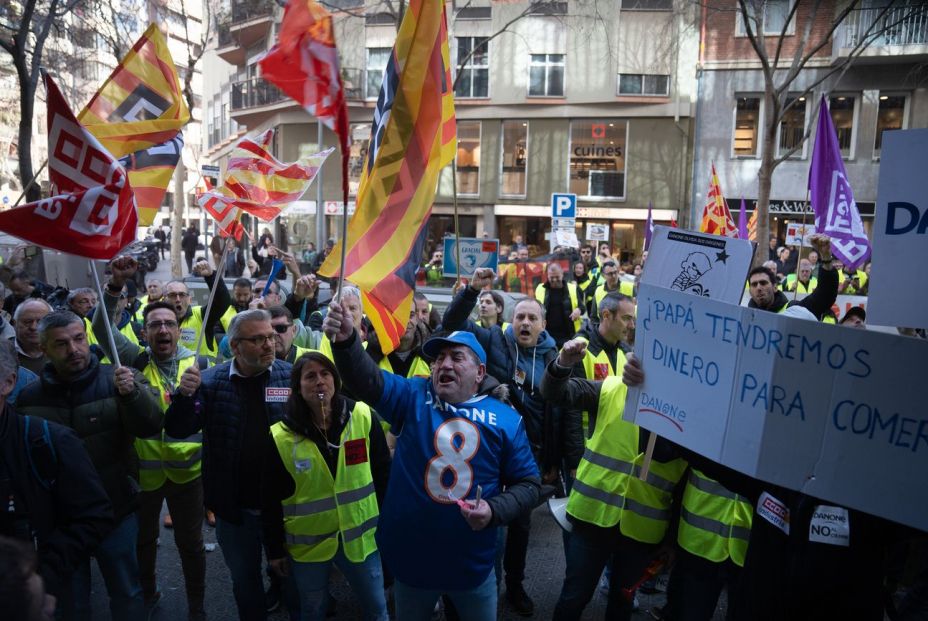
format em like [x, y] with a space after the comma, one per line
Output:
[162, 457]
[322, 507]
[715, 523]
[190, 330]
[607, 490]
[541, 293]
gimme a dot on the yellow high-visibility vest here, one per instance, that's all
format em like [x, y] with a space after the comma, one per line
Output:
[323, 508]
[608, 490]
[541, 293]
[715, 523]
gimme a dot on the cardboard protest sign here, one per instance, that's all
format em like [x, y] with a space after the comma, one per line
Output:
[833, 412]
[475, 253]
[898, 282]
[711, 266]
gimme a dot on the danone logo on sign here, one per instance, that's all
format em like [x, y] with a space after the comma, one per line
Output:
[672, 412]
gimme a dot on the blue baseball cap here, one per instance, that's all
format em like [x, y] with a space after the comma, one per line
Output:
[434, 345]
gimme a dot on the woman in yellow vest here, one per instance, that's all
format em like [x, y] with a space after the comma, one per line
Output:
[325, 473]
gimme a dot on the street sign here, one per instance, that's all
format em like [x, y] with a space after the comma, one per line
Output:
[564, 223]
[563, 205]
[334, 208]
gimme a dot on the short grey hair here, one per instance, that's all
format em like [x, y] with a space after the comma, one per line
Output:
[611, 301]
[235, 326]
[81, 291]
[58, 319]
[349, 290]
[9, 363]
[20, 308]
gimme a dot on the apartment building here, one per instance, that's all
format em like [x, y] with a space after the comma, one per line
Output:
[881, 90]
[592, 97]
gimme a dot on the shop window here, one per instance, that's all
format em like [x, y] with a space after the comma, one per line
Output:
[377, 58]
[468, 158]
[644, 84]
[891, 116]
[842, 117]
[475, 76]
[515, 158]
[597, 158]
[546, 75]
[747, 124]
[358, 151]
[792, 129]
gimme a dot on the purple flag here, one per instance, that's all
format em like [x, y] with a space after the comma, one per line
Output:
[743, 221]
[648, 228]
[836, 213]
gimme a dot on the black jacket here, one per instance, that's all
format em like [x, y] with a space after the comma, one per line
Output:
[69, 518]
[217, 409]
[787, 576]
[108, 423]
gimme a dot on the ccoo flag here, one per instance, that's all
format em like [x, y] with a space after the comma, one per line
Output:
[137, 115]
[716, 219]
[832, 199]
[91, 212]
[412, 139]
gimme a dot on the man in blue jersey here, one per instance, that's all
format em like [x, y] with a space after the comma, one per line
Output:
[454, 444]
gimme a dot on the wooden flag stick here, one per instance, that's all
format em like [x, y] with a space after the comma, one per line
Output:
[457, 228]
[648, 456]
[31, 183]
[114, 355]
[344, 253]
[220, 269]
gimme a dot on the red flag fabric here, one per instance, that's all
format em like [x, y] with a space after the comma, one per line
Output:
[92, 212]
[304, 65]
[716, 218]
[259, 183]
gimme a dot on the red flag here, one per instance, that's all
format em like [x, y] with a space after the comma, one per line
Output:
[673, 223]
[92, 212]
[304, 65]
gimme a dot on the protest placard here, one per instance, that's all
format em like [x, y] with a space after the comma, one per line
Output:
[475, 253]
[711, 266]
[898, 280]
[833, 412]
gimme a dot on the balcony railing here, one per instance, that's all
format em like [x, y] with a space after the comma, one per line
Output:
[906, 24]
[254, 93]
[245, 10]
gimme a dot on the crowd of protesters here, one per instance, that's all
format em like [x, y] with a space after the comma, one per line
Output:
[415, 471]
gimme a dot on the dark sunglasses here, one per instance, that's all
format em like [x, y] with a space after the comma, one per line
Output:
[282, 328]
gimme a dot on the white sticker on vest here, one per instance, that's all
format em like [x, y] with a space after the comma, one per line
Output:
[303, 465]
[773, 511]
[276, 395]
[188, 335]
[830, 525]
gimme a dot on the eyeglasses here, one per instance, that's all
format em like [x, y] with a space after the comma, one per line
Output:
[174, 295]
[282, 328]
[157, 325]
[607, 274]
[259, 340]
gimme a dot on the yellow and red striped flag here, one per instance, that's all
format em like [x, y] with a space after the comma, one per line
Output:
[412, 139]
[716, 218]
[752, 225]
[137, 115]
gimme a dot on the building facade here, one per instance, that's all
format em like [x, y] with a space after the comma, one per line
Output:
[591, 97]
[882, 89]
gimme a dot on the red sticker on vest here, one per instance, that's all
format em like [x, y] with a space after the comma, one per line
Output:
[600, 370]
[355, 452]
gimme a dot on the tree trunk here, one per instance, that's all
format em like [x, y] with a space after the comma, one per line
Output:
[24, 141]
[765, 181]
[177, 219]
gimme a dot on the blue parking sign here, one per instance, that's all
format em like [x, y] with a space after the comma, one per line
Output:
[563, 205]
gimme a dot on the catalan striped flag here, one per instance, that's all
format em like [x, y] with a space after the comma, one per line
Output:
[259, 183]
[137, 115]
[716, 218]
[752, 225]
[412, 139]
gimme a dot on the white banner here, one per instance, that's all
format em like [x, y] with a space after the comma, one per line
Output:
[836, 413]
[899, 281]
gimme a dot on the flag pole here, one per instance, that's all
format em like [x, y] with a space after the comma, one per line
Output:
[114, 355]
[212, 295]
[30, 184]
[457, 230]
[802, 238]
[344, 253]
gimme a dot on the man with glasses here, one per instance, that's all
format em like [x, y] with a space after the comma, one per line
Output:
[234, 404]
[612, 282]
[191, 318]
[169, 467]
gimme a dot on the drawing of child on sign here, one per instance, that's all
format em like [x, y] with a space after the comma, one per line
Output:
[692, 268]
